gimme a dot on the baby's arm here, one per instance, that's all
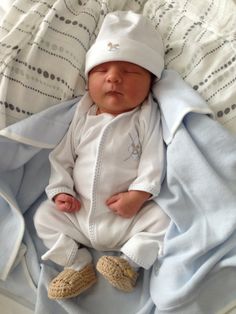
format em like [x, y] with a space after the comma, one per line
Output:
[127, 204]
[66, 203]
[152, 162]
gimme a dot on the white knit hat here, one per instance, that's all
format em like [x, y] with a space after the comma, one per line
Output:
[127, 36]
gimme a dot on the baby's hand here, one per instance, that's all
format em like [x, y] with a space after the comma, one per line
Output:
[127, 204]
[67, 203]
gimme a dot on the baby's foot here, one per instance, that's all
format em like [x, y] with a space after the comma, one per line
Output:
[118, 272]
[70, 283]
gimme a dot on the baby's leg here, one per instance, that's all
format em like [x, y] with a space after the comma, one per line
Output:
[143, 245]
[147, 233]
[61, 235]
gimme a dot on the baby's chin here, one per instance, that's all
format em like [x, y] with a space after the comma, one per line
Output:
[115, 104]
[114, 111]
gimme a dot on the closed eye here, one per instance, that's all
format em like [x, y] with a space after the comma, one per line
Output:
[132, 69]
[132, 72]
[98, 69]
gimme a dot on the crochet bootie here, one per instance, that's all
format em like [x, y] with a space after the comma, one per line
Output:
[118, 272]
[70, 283]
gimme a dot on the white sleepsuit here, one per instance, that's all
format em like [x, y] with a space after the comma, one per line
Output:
[102, 155]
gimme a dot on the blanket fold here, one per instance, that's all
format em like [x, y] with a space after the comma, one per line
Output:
[24, 172]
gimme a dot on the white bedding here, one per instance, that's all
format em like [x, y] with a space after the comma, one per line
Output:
[5, 6]
[36, 36]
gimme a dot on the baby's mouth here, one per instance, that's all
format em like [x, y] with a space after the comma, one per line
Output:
[113, 92]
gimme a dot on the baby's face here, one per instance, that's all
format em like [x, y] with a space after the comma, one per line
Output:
[118, 86]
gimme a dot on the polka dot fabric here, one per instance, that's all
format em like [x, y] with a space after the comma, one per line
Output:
[200, 43]
[43, 46]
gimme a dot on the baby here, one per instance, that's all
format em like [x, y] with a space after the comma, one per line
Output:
[109, 166]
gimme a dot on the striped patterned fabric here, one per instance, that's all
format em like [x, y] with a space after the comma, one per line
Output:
[43, 45]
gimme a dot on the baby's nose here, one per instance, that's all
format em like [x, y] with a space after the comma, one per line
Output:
[114, 76]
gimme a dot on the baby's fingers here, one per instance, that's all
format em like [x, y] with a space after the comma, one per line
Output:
[65, 207]
[75, 205]
[112, 200]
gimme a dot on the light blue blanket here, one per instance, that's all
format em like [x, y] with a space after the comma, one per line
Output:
[199, 194]
[197, 271]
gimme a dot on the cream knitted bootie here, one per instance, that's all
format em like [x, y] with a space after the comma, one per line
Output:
[118, 272]
[70, 283]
